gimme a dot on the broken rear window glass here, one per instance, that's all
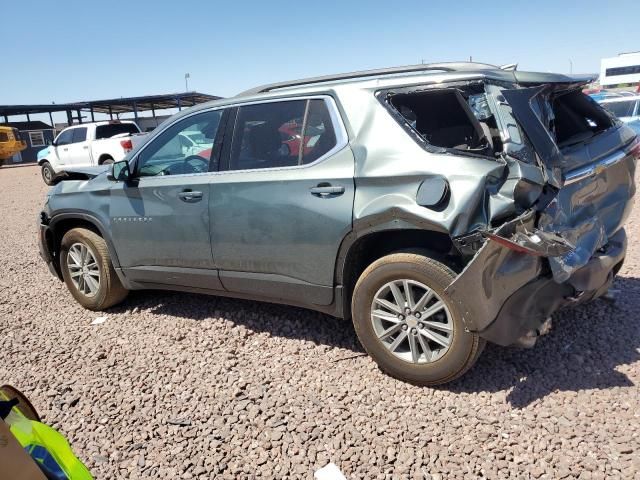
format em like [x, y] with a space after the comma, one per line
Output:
[576, 118]
[444, 119]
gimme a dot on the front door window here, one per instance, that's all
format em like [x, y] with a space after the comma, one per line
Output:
[186, 147]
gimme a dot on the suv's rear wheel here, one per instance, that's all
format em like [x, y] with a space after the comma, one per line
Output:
[408, 324]
[48, 175]
[87, 270]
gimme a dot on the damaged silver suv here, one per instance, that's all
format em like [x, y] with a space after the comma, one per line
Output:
[437, 206]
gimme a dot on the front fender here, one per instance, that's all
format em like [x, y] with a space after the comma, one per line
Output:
[64, 217]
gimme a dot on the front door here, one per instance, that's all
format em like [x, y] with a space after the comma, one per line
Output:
[283, 203]
[61, 146]
[78, 154]
[160, 219]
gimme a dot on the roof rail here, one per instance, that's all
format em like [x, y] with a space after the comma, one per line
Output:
[443, 67]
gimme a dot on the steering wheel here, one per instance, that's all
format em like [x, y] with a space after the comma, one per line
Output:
[195, 164]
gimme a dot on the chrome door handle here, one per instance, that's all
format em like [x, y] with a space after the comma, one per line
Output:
[189, 196]
[326, 189]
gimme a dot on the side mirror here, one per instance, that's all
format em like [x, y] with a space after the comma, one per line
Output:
[54, 143]
[120, 171]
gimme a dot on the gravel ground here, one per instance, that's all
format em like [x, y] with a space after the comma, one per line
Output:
[188, 386]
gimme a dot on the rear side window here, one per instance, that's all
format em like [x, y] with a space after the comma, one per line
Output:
[281, 134]
[113, 129]
[79, 135]
[620, 109]
[4, 137]
[443, 118]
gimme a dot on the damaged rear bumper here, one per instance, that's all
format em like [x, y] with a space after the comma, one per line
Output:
[504, 294]
[525, 310]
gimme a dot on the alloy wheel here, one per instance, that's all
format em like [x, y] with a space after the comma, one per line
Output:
[412, 321]
[83, 269]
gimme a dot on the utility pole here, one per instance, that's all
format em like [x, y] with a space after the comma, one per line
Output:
[570, 66]
[186, 82]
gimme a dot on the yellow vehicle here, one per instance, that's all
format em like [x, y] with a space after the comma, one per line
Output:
[10, 143]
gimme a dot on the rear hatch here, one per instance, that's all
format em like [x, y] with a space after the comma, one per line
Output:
[588, 158]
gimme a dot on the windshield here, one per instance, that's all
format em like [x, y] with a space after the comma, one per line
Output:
[113, 129]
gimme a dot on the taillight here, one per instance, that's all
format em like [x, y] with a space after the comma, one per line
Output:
[126, 145]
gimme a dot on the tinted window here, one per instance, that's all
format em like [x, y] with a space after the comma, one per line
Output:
[65, 138]
[267, 135]
[113, 129]
[173, 153]
[319, 135]
[620, 109]
[4, 137]
[79, 134]
[577, 117]
[272, 135]
[629, 70]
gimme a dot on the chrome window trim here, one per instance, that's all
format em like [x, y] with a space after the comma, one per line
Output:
[342, 138]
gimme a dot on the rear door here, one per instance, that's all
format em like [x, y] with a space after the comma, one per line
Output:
[78, 153]
[283, 203]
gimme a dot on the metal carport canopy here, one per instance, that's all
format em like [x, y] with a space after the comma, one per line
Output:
[114, 106]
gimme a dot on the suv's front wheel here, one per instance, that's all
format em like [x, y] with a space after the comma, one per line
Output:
[408, 324]
[87, 270]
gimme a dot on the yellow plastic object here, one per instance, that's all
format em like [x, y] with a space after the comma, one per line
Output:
[46, 446]
[10, 142]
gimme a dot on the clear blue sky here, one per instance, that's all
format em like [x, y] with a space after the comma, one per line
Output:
[80, 50]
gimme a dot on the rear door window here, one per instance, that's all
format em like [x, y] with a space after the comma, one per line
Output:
[79, 134]
[319, 135]
[281, 134]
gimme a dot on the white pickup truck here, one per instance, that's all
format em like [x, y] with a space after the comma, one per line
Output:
[87, 145]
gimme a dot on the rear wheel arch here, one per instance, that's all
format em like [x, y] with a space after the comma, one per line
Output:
[358, 252]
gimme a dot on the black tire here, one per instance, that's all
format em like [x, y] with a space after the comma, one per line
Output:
[2, 160]
[48, 175]
[465, 347]
[110, 291]
[106, 161]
